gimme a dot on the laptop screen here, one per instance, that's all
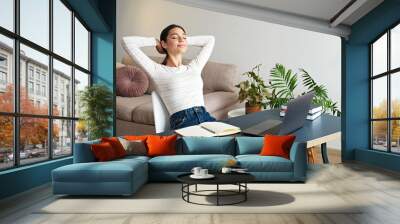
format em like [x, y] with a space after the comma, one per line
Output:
[296, 113]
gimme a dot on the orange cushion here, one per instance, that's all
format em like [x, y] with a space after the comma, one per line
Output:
[116, 145]
[103, 151]
[135, 137]
[277, 145]
[161, 145]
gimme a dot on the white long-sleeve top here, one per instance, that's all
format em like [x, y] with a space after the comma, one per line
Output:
[179, 87]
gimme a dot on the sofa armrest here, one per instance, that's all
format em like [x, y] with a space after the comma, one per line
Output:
[83, 152]
[298, 156]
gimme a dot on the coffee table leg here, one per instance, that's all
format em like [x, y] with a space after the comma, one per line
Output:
[217, 194]
[196, 187]
[188, 192]
[245, 191]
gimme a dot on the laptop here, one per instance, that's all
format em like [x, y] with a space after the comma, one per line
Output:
[294, 119]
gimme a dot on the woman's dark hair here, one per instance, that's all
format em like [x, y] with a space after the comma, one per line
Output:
[164, 35]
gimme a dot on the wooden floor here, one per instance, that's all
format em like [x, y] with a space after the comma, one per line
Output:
[379, 189]
[334, 155]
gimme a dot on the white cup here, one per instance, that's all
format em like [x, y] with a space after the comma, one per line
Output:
[226, 170]
[196, 171]
[203, 172]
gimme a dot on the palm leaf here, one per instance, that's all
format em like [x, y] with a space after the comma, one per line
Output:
[283, 81]
[308, 81]
[321, 94]
[311, 85]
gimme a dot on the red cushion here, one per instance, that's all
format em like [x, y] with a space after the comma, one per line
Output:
[277, 145]
[116, 145]
[161, 145]
[136, 137]
[103, 151]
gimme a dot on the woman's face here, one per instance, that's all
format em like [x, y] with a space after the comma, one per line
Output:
[176, 41]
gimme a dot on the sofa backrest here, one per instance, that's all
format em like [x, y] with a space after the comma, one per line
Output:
[206, 145]
[83, 152]
[253, 145]
[184, 146]
[239, 145]
[248, 145]
[216, 76]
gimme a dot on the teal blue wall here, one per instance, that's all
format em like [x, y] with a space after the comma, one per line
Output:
[24, 178]
[103, 52]
[103, 61]
[355, 85]
[99, 16]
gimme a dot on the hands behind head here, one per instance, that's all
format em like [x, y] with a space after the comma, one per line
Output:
[159, 47]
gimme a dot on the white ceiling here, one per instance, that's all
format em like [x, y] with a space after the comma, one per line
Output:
[319, 9]
[315, 15]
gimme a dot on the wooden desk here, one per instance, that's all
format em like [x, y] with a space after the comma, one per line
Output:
[317, 132]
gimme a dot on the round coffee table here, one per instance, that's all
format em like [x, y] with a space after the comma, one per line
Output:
[238, 179]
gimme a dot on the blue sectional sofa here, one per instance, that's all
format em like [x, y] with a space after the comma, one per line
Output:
[125, 176]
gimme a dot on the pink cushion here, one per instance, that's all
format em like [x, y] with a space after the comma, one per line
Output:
[131, 81]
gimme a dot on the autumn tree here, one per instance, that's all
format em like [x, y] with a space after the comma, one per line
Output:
[380, 127]
[6, 122]
[33, 131]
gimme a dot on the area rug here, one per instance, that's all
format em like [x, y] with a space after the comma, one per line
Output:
[167, 198]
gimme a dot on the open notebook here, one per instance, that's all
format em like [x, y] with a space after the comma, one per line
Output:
[209, 129]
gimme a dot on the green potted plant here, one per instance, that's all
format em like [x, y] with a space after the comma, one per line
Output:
[96, 102]
[253, 91]
[283, 82]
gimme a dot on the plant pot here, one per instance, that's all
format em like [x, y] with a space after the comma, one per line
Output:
[252, 108]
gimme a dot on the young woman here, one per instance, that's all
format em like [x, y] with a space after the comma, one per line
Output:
[179, 86]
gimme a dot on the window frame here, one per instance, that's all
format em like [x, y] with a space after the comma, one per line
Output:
[16, 114]
[5, 59]
[3, 74]
[3, 70]
[388, 74]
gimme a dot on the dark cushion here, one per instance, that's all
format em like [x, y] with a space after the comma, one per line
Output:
[131, 81]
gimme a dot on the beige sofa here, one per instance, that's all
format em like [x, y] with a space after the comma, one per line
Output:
[135, 114]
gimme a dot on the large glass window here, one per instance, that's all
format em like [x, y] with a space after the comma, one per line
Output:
[81, 45]
[379, 56]
[42, 123]
[6, 142]
[385, 94]
[81, 81]
[32, 58]
[62, 91]
[7, 14]
[62, 137]
[33, 140]
[379, 97]
[395, 47]
[35, 21]
[7, 75]
[62, 32]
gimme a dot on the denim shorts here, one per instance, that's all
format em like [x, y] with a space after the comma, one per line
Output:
[189, 117]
